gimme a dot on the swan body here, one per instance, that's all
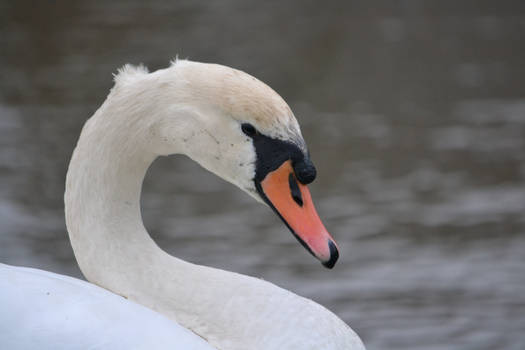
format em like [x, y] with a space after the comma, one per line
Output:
[44, 310]
[236, 127]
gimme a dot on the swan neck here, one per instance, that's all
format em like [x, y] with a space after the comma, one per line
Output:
[102, 200]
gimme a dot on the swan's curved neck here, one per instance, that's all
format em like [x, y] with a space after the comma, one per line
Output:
[102, 203]
[103, 188]
[103, 217]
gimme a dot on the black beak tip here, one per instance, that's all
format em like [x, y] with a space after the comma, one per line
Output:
[334, 255]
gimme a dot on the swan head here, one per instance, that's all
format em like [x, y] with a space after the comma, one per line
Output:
[240, 129]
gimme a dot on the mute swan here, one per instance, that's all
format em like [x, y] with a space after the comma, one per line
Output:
[236, 127]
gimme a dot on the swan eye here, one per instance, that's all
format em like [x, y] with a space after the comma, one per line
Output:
[248, 129]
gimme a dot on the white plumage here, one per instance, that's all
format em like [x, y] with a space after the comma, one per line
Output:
[44, 310]
[189, 108]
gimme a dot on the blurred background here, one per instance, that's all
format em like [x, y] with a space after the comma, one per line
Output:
[414, 112]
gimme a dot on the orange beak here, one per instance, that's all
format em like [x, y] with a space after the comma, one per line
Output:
[292, 201]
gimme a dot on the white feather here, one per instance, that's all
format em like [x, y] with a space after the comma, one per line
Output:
[43, 310]
[189, 108]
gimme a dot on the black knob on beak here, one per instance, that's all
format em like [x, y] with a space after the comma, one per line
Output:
[304, 171]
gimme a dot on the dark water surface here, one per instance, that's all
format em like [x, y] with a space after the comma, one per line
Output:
[414, 112]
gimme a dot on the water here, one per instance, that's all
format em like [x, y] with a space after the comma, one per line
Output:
[414, 113]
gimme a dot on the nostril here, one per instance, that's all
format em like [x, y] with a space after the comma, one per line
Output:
[294, 189]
